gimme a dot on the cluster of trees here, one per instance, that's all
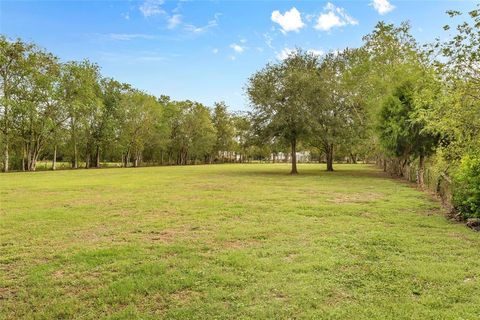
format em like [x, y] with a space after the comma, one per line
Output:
[308, 100]
[391, 100]
[403, 104]
[68, 111]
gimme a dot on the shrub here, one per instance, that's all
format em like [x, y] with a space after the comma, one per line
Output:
[466, 193]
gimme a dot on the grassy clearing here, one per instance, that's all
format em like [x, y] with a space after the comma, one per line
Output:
[230, 241]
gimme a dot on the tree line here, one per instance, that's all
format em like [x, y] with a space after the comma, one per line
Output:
[69, 112]
[391, 100]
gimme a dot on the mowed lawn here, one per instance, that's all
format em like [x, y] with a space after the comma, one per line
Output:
[231, 242]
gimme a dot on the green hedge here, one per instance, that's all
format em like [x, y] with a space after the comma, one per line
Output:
[466, 194]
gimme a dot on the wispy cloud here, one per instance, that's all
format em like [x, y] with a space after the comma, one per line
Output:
[268, 40]
[382, 6]
[332, 17]
[174, 21]
[237, 48]
[289, 21]
[211, 24]
[151, 8]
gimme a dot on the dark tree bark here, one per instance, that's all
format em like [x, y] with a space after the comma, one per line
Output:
[74, 141]
[329, 155]
[353, 158]
[54, 160]
[294, 157]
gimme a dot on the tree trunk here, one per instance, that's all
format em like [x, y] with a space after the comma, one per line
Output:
[135, 160]
[74, 141]
[421, 170]
[5, 128]
[329, 154]
[75, 155]
[5, 155]
[24, 157]
[29, 158]
[87, 159]
[54, 161]
[353, 158]
[97, 157]
[33, 164]
[294, 157]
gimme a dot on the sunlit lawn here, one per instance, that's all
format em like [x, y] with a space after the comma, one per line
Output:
[230, 242]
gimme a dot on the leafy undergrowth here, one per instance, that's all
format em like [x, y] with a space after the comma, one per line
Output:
[229, 242]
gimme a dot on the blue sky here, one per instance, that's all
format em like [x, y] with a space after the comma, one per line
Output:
[206, 50]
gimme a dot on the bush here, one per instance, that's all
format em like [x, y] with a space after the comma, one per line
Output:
[466, 192]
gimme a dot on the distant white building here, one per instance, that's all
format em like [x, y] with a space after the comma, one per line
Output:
[302, 156]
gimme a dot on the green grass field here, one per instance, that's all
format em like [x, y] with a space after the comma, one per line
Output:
[231, 242]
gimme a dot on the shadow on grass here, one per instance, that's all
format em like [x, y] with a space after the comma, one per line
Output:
[362, 172]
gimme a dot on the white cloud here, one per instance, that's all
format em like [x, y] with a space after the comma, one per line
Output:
[285, 53]
[174, 21]
[237, 48]
[382, 6]
[215, 51]
[289, 21]
[332, 17]
[328, 20]
[151, 8]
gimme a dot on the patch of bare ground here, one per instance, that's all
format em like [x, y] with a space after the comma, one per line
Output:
[6, 293]
[213, 187]
[366, 214]
[184, 296]
[361, 197]
[290, 257]
[337, 297]
[171, 235]
[277, 295]
[90, 200]
[96, 234]
[59, 274]
[239, 244]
